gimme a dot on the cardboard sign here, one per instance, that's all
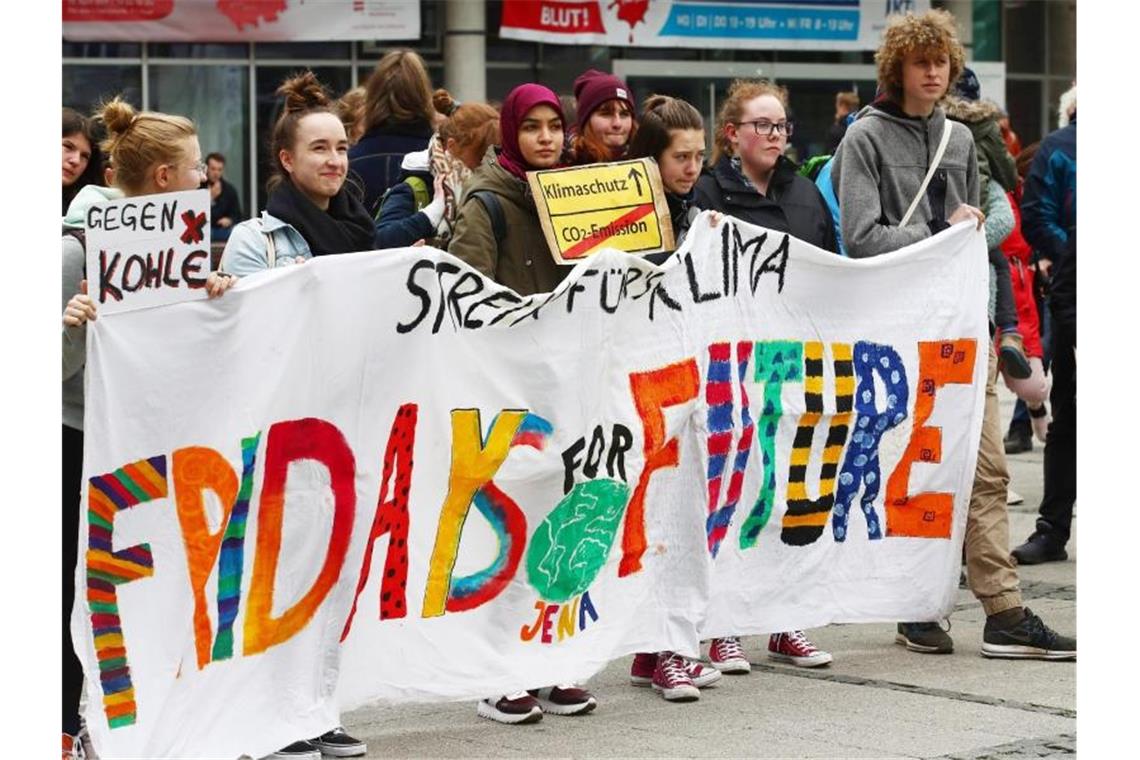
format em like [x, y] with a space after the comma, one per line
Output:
[148, 250]
[586, 208]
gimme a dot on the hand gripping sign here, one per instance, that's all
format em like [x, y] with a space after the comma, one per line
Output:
[617, 205]
[148, 250]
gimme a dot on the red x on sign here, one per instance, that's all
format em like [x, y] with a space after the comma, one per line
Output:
[194, 225]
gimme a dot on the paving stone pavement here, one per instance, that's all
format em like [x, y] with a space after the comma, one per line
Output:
[876, 700]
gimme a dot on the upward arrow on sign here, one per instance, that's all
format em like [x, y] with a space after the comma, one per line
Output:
[635, 175]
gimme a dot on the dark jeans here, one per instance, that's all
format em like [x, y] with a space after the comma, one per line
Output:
[1056, 511]
[72, 479]
[1005, 309]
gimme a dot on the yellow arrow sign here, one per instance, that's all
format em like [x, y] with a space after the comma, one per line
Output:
[616, 205]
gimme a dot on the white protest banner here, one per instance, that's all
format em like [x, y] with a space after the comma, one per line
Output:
[584, 209]
[148, 250]
[240, 20]
[381, 476]
[708, 24]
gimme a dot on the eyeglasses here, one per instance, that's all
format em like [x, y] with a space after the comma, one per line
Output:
[770, 128]
[200, 167]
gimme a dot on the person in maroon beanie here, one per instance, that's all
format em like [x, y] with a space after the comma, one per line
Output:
[607, 118]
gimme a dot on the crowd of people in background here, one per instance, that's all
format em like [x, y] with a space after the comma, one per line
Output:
[397, 163]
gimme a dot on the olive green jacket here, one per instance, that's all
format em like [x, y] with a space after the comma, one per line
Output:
[522, 261]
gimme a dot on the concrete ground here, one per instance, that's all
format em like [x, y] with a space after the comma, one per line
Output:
[875, 700]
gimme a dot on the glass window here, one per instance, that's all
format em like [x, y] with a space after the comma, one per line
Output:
[101, 49]
[499, 49]
[1063, 39]
[1023, 104]
[500, 81]
[338, 80]
[198, 50]
[84, 87]
[812, 107]
[303, 50]
[214, 97]
[1024, 30]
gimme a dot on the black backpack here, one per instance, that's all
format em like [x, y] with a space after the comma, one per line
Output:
[494, 209]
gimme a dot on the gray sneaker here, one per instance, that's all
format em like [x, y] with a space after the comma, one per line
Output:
[1030, 639]
[927, 638]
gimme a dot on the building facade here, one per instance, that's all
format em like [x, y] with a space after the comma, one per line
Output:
[1026, 47]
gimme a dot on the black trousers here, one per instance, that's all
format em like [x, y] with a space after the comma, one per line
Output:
[1056, 512]
[72, 480]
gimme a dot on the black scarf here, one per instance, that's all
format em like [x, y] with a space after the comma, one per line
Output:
[346, 227]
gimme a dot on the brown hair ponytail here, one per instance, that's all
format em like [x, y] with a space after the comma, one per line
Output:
[304, 94]
[137, 142]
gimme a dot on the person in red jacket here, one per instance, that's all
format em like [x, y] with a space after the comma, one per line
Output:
[1033, 390]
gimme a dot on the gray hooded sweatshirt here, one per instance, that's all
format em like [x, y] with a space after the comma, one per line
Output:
[879, 168]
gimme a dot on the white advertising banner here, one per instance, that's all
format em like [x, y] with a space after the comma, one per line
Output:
[382, 476]
[755, 24]
[240, 20]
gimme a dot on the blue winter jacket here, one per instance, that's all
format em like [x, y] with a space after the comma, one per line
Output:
[1049, 200]
[401, 223]
[376, 158]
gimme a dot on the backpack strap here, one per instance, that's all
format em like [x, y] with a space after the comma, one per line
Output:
[419, 191]
[947, 128]
[270, 246]
[494, 209]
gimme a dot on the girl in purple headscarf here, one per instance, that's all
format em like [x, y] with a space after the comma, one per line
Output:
[513, 253]
[516, 255]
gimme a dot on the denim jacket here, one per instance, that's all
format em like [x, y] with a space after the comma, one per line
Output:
[245, 251]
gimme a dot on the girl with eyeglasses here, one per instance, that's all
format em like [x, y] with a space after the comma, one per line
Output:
[152, 153]
[751, 179]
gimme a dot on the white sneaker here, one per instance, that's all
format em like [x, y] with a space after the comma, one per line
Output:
[1013, 497]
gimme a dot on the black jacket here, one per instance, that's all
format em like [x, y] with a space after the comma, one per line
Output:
[226, 204]
[793, 204]
[376, 159]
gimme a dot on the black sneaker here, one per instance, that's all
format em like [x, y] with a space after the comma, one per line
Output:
[338, 743]
[1029, 639]
[1018, 440]
[1038, 548]
[927, 638]
[301, 750]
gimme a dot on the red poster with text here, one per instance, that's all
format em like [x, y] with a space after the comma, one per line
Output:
[556, 17]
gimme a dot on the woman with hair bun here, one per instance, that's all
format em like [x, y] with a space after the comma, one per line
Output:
[310, 211]
[82, 161]
[752, 180]
[152, 153]
[424, 204]
[672, 133]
